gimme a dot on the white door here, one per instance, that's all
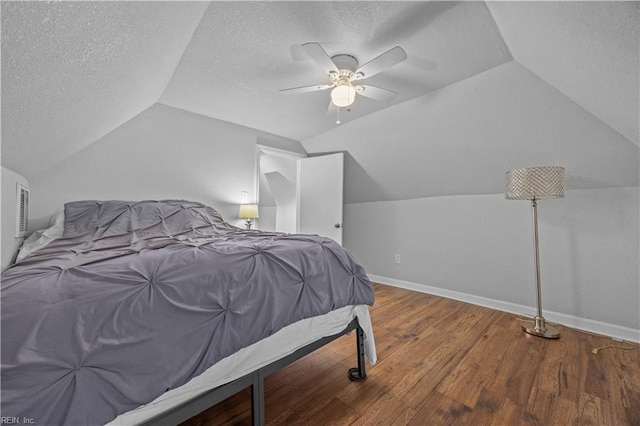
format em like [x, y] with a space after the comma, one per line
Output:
[320, 191]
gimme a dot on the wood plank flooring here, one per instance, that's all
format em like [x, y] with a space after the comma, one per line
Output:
[444, 362]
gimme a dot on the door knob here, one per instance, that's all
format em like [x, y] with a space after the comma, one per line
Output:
[337, 225]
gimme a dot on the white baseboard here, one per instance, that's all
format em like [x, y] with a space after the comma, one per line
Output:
[592, 326]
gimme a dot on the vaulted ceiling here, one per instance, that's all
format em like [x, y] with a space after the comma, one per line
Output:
[498, 83]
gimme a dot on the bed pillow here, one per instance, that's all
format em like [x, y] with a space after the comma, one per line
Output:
[41, 238]
[93, 219]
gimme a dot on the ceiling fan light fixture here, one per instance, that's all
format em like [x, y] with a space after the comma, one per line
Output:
[343, 95]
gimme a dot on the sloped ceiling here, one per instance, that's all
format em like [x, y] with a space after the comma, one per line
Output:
[506, 82]
[463, 138]
[74, 71]
[243, 53]
[586, 50]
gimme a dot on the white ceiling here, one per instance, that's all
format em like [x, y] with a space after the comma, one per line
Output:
[463, 138]
[508, 82]
[74, 71]
[586, 50]
[243, 53]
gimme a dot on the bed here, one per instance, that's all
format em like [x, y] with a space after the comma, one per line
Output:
[141, 310]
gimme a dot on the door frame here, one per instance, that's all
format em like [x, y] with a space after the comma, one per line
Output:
[276, 152]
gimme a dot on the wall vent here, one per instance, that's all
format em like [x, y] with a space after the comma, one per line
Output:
[22, 213]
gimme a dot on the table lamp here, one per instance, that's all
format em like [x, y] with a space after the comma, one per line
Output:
[248, 212]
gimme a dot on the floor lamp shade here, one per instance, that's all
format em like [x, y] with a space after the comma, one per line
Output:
[535, 183]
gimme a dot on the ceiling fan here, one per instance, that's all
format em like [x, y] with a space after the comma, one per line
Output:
[344, 74]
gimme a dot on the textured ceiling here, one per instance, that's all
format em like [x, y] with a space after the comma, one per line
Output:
[73, 71]
[243, 53]
[478, 75]
[586, 50]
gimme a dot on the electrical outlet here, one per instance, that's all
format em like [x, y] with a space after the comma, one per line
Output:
[397, 259]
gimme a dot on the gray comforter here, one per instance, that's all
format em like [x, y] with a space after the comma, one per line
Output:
[138, 298]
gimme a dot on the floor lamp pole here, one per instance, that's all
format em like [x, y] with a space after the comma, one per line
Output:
[538, 326]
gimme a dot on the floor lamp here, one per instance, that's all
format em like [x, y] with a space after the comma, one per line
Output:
[535, 183]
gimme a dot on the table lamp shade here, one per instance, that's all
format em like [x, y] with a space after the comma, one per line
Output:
[535, 183]
[248, 211]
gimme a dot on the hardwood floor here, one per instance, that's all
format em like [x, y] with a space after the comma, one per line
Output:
[446, 362]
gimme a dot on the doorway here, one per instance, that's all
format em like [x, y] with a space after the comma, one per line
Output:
[299, 194]
[277, 189]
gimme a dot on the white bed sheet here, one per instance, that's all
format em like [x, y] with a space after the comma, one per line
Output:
[246, 360]
[42, 237]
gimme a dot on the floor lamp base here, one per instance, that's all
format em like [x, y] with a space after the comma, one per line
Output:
[544, 331]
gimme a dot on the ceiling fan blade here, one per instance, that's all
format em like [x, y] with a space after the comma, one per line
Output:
[376, 93]
[380, 63]
[318, 54]
[304, 89]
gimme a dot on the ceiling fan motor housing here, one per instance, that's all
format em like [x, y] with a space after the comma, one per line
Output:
[345, 62]
[346, 65]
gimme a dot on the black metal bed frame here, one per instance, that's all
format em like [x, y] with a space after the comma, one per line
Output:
[255, 379]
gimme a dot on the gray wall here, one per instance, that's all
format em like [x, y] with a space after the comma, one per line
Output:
[417, 176]
[481, 245]
[163, 152]
[10, 243]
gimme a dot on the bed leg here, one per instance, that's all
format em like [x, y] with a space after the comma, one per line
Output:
[257, 399]
[359, 373]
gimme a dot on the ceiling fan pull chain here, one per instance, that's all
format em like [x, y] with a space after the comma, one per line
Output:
[338, 113]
